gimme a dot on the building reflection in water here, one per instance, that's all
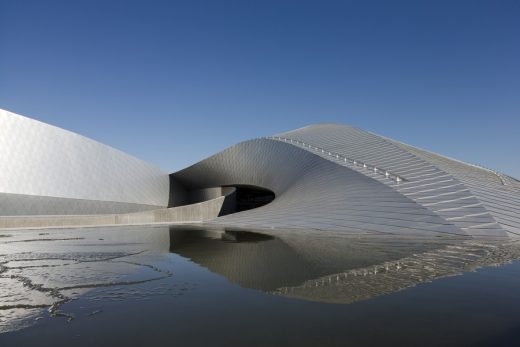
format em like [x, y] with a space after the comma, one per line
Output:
[41, 271]
[332, 268]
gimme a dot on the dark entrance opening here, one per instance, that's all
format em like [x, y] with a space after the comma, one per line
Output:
[249, 197]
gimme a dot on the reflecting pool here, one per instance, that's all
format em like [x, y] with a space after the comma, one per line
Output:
[192, 286]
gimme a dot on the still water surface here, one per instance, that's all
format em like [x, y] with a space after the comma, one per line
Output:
[144, 286]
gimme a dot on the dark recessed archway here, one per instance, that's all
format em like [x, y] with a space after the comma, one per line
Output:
[249, 197]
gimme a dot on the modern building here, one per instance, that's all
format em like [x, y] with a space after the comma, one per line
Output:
[320, 177]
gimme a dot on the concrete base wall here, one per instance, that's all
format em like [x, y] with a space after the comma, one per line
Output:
[199, 212]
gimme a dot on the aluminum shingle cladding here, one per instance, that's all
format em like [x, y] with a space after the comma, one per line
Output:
[325, 177]
[476, 200]
[48, 170]
[337, 177]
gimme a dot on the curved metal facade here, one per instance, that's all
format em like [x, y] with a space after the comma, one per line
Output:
[479, 201]
[324, 177]
[335, 177]
[48, 170]
[311, 192]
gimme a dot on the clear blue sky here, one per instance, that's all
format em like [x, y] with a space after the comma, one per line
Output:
[173, 82]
